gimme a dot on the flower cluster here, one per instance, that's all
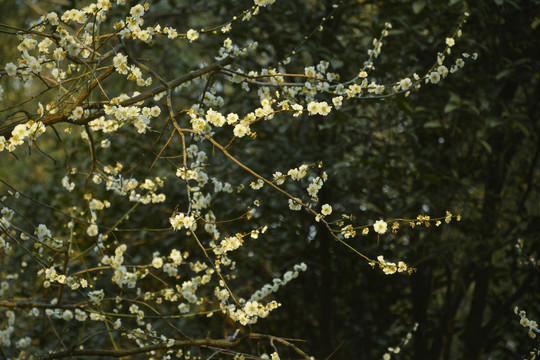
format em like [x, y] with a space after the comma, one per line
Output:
[22, 133]
[5, 225]
[404, 342]
[7, 332]
[316, 185]
[267, 289]
[139, 117]
[530, 325]
[253, 309]
[122, 277]
[44, 235]
[389, 267]
[320, 108]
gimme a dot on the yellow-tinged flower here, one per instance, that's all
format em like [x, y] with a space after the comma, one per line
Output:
[192, 35]
[380, 226]
[326, 209]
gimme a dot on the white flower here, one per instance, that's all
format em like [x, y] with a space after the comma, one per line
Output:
[92, 230]
[257, 185]
[155, 111]
[23, 343]
[120, 63]
[80, 315]
[157, 262]
[380, 226]
[183, 307]
[434, 77]
[337, 101]
[34, 66]
[42, 232]
[66, 182]
[137, 11]
[389, 268]
[189, 222]
[192, 35]
[232, 118]
[20, 131]
[67, 315]
[326, 209]
[443, 70]
[294, 205]
[405, 83]
[177, 221]
[251, 308]
[11, 69]
[321, 108]
[96, 295]
[240, 130]
[77, 113]
[2, 143]
[324, 108]
[264, 2]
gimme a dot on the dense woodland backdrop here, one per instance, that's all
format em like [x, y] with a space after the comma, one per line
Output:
[469, 144]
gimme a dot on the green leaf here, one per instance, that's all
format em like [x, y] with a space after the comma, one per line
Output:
[453, 103]
[454, 97]
[406, 106]
[493, 121]
[336, 63]
[522, 127]
[432, 179]
[450, 107]
[504, 73]
[484, 103]
[417, 6]
[486, 146]
[432, 124]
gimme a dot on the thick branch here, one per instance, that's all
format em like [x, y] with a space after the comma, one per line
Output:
[159, 89]
[60, 117]
[41, 305]
[142, 350]
[282, 341]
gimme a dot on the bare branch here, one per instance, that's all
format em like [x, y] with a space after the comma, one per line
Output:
[142, 350]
